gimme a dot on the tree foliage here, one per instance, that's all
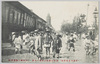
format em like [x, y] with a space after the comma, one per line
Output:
[76, 26]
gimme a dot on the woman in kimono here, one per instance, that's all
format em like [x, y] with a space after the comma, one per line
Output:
[32, 44]
[88, 44]
[37, 44]
[18, 43]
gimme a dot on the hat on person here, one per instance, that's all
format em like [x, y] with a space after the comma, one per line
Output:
[13, 33]
[36, 31]
[32, 32]
[54, 32]
[96, 39]
[71, 34]
[47, 31]
[74, 32]
[66, 33]
[24, 31]
[59, 35]
[41, 32]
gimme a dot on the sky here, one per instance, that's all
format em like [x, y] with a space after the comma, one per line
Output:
[62, 10]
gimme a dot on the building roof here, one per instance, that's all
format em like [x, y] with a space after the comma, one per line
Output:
[21, 6]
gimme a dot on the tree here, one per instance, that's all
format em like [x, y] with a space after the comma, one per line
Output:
[66, 27]
[76, 26]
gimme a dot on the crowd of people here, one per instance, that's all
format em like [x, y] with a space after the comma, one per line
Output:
[37, 40]
[70, 40]
[90, 45]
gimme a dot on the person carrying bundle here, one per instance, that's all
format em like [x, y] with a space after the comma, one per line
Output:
[47, 43]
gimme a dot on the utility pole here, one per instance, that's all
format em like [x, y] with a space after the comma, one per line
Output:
[87, 13]
[95, 25]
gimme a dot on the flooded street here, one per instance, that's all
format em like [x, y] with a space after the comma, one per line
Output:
[79, 53]
[66, 56]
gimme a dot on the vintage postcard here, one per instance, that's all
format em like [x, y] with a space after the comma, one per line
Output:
[50, 32]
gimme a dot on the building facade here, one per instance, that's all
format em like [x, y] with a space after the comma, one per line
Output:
[16, 17]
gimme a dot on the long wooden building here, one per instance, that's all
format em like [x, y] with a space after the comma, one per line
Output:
[16, 17]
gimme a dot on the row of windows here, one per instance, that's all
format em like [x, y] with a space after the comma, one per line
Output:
[29, 21]
[16, 16]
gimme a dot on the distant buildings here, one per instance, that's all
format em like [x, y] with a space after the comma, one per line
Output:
[49, 26]
[48, 19]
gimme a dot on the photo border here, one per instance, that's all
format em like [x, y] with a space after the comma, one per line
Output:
[44, 0]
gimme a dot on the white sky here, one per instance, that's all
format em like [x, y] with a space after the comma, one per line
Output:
[61, 10]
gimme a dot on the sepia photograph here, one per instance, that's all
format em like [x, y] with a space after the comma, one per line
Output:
[49, 31]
